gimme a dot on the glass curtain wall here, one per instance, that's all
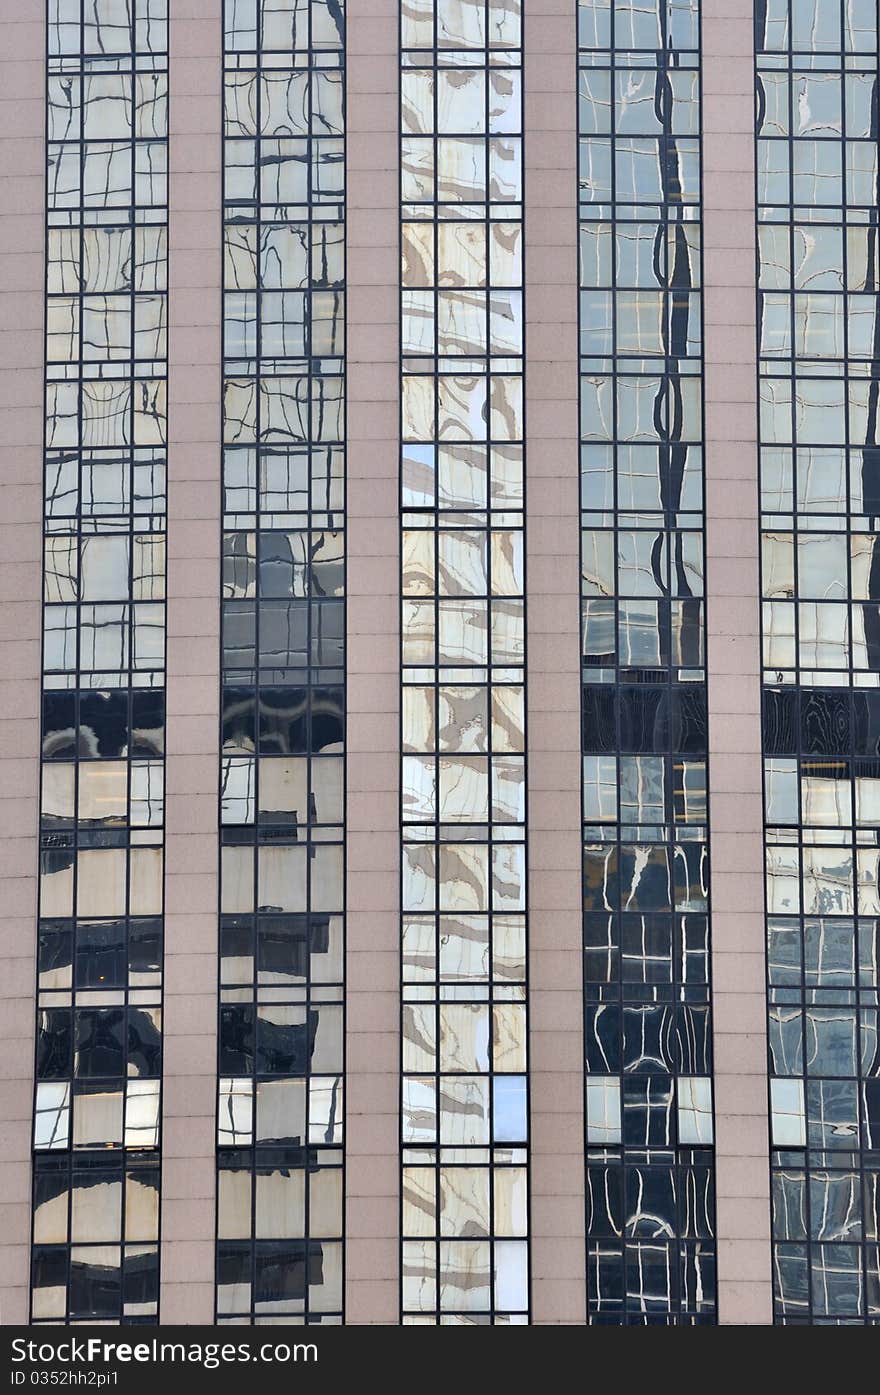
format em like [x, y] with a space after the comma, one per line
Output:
[648, 1034]
[464, 1132]
[99, 986]
[819, 362]
[282, 779]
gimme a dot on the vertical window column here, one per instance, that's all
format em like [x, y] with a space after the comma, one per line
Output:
[22, 302]
[282, 780]
[464, 1113]
[99, 1042]
[819, 361]
[648, 1038]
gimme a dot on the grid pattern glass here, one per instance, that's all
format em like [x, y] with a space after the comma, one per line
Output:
[819, 360]
[464, 1114]
[648, 1035]
[99, 992]
[281, 1028]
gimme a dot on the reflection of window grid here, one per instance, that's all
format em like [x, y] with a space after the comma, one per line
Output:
[129, 1204]
[463, 1279]
[104, 468]
[284, 475]
[787, 240]
[844, 992]
[821, 472]
[246, 1258]
[644, 633]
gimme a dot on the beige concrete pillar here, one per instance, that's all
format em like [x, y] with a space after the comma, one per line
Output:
[734, 667]
[193, 678]
[22, 217]
[556, 1010]
[372, 988]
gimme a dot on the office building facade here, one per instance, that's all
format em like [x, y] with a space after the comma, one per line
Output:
[439, 750]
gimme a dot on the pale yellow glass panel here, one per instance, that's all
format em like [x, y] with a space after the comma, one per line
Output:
[416, 169]
[419, 1037]
[463, 632]
[282, 878]
[281, 1106]
[461, 322]
[417, 322]
[280, 1204]
[507, 564]
[418, 1270]
[417, 636]
[462, 567]
[96, 1212]
[505, 254]
[464, 877]
[509, 1037]
[145, 894]
[508, 719]
[58, 780]
[464, 1110]
[419, 1202]
[325, 1201]
[461, 101]
[506, 398]
[103, 791]
[462, 476]
[141, 1210]
[97, 1119]
[510, 1215]
[464, 1201]
[419, 954]
[417, 406]
[417, 562]
[56, 891]
[237, 880]
[416, 101]
[508, 789]
[418, 793]
[419, 727]
[461, 254]
[419, 877]
[463, 718]
[50, 1220]
[326, 878]
[461, 408]
[464, 1275]
[233, 1204]
[464, 1036]
[461, 169]
[101, 882]
[464, 790]
[464, 948]
[417, 251]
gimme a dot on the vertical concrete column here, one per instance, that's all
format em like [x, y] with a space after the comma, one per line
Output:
[191, 852]
[553, 621]
[372, 990]
[734, 667]
[22, 185]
